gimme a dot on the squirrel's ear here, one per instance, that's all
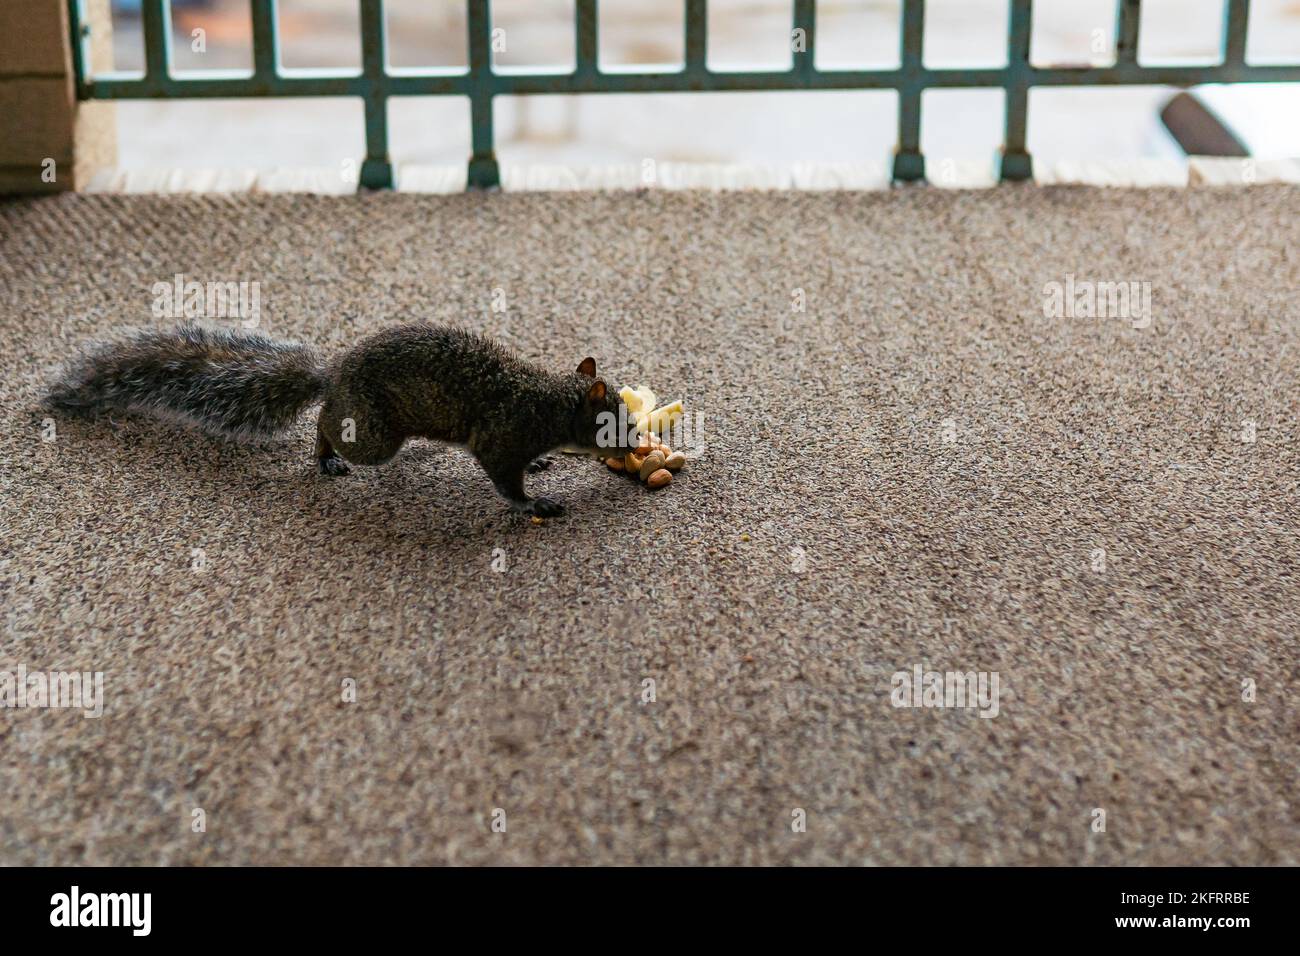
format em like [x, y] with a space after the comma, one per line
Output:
[588, 367]
[596, 393]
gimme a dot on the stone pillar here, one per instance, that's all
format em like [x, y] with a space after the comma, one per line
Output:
[48, 141]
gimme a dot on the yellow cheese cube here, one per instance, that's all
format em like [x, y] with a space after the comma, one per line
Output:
[661, 419]
[630, 398]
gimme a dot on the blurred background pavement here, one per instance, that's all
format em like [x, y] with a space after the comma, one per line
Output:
[962, 127]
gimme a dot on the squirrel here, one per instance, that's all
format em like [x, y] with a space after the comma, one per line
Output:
[408, 381]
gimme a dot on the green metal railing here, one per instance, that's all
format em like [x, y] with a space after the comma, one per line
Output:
[374, 83]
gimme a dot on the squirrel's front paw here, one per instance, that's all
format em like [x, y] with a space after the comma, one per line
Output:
[540, 464]
[544, 508]
[333, 465]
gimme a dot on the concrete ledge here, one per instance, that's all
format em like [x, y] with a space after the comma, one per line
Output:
[1124, 173]
[323, 181]
[813, 177]
[961, 173]
[1231, 171]
[707, 176]
[431, 179]
[169, 181]
[319, 180]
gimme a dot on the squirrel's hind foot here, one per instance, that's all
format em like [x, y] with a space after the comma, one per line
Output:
[541, 507]
[332, 465]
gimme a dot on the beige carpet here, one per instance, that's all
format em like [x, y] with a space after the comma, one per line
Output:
[920, 469]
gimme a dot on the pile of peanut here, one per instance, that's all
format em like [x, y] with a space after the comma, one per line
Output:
[653, 462]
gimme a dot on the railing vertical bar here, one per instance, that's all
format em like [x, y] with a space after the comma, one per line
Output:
[376, 171]
[697, 36]
[909, 164]
[155, 18]
[1234, 33]
[266, 40]
[1016, 164]
[483, 172]
[77, 36]
[1126, 32]
[585, 38]
[805, 22]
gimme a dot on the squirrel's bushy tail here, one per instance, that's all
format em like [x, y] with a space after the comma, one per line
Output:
[228, 382]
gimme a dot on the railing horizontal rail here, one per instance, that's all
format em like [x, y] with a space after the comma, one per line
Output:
[375, 82]
[349, 83]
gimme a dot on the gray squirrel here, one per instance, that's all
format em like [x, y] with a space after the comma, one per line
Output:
[409, 381]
